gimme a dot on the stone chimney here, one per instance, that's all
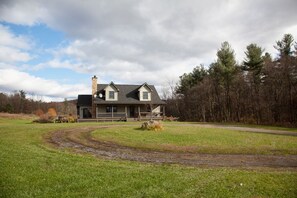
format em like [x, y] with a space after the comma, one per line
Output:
[94, 91]
[94, 85]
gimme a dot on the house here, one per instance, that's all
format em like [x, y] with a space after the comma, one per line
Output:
[120, 102]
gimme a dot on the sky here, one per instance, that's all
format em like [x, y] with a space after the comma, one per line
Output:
[51, 49]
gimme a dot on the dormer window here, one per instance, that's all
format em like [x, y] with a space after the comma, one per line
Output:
[145, 95]
[111, 94]
[145, 92]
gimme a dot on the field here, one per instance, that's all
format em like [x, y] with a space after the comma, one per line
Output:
[31, 166]
[188, 138]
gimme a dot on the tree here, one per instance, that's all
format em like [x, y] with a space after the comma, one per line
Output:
[288, 69]
[253, 64]
[263, 91]
[9, 108]
[65, 106]
[267, 57]
[226, 69]
[198, 74]
[284, 46]
[184, 83]
[22, 100]
[226, 62]
[188, 81]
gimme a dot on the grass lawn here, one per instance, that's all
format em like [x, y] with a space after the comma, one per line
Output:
[259, 126]
[223, 124]
[30, 168]
[200, 139]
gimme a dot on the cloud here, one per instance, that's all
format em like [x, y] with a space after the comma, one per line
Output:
[133, 41]
[13, 48]
[8, 54]
[154, 34]
[7, 38]
[12, 79]
[20, 12]
[128, 66]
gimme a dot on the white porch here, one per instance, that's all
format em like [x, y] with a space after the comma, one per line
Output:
[128, 113]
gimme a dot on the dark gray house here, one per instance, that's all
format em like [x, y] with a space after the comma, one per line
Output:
[120, 102]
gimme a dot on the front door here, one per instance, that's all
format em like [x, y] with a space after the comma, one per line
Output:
[132, 111]
[86, 113]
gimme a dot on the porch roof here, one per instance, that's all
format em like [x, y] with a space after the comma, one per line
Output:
[84, 100]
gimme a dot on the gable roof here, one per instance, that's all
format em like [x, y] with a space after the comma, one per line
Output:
[128, 94]
[84, 100]
[112, 85]
[145, 85]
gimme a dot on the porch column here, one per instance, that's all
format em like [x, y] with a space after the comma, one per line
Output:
[126, 113]
[93, 108]
[97, 111]
[164, 112]
[81, 115]
[139, 115]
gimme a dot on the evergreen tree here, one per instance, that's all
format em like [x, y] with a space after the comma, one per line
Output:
[284, 46]
[254, 62]
[226, 69]
[189, 80]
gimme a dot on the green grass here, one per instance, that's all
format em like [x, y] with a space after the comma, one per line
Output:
[259, 126]
[199, 139]
[236, 125]
[30, 168]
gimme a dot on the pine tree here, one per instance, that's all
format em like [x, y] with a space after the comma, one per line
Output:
[253, 64]
[226, 69]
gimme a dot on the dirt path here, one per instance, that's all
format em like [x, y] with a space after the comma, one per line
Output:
[79, 139]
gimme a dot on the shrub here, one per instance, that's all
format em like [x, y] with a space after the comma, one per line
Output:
[46, 118]
[43, 119]
[71, 119]
[51, 113]
[152, 125]
[39, 112]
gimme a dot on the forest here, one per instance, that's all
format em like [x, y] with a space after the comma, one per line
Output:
[260, 90]
[18, 102]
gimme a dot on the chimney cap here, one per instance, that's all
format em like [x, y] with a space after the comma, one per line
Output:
[94, 77]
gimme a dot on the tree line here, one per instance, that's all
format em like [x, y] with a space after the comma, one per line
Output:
[260, 90]
[17, 102]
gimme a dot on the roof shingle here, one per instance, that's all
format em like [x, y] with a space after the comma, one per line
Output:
[128, 94]
[84, 100]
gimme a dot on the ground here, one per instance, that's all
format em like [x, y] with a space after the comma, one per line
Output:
[87, 160]
[80, 140]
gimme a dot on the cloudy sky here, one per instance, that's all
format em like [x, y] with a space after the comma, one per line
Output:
[52, 48]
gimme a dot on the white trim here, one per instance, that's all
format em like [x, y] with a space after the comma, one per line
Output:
[141, 91]
[107, 90]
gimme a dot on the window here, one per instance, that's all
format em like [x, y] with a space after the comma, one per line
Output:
[145, 95]
[111, 94]
[109, 109]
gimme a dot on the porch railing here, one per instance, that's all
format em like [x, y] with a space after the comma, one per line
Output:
[111, 114]
[123, 116]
